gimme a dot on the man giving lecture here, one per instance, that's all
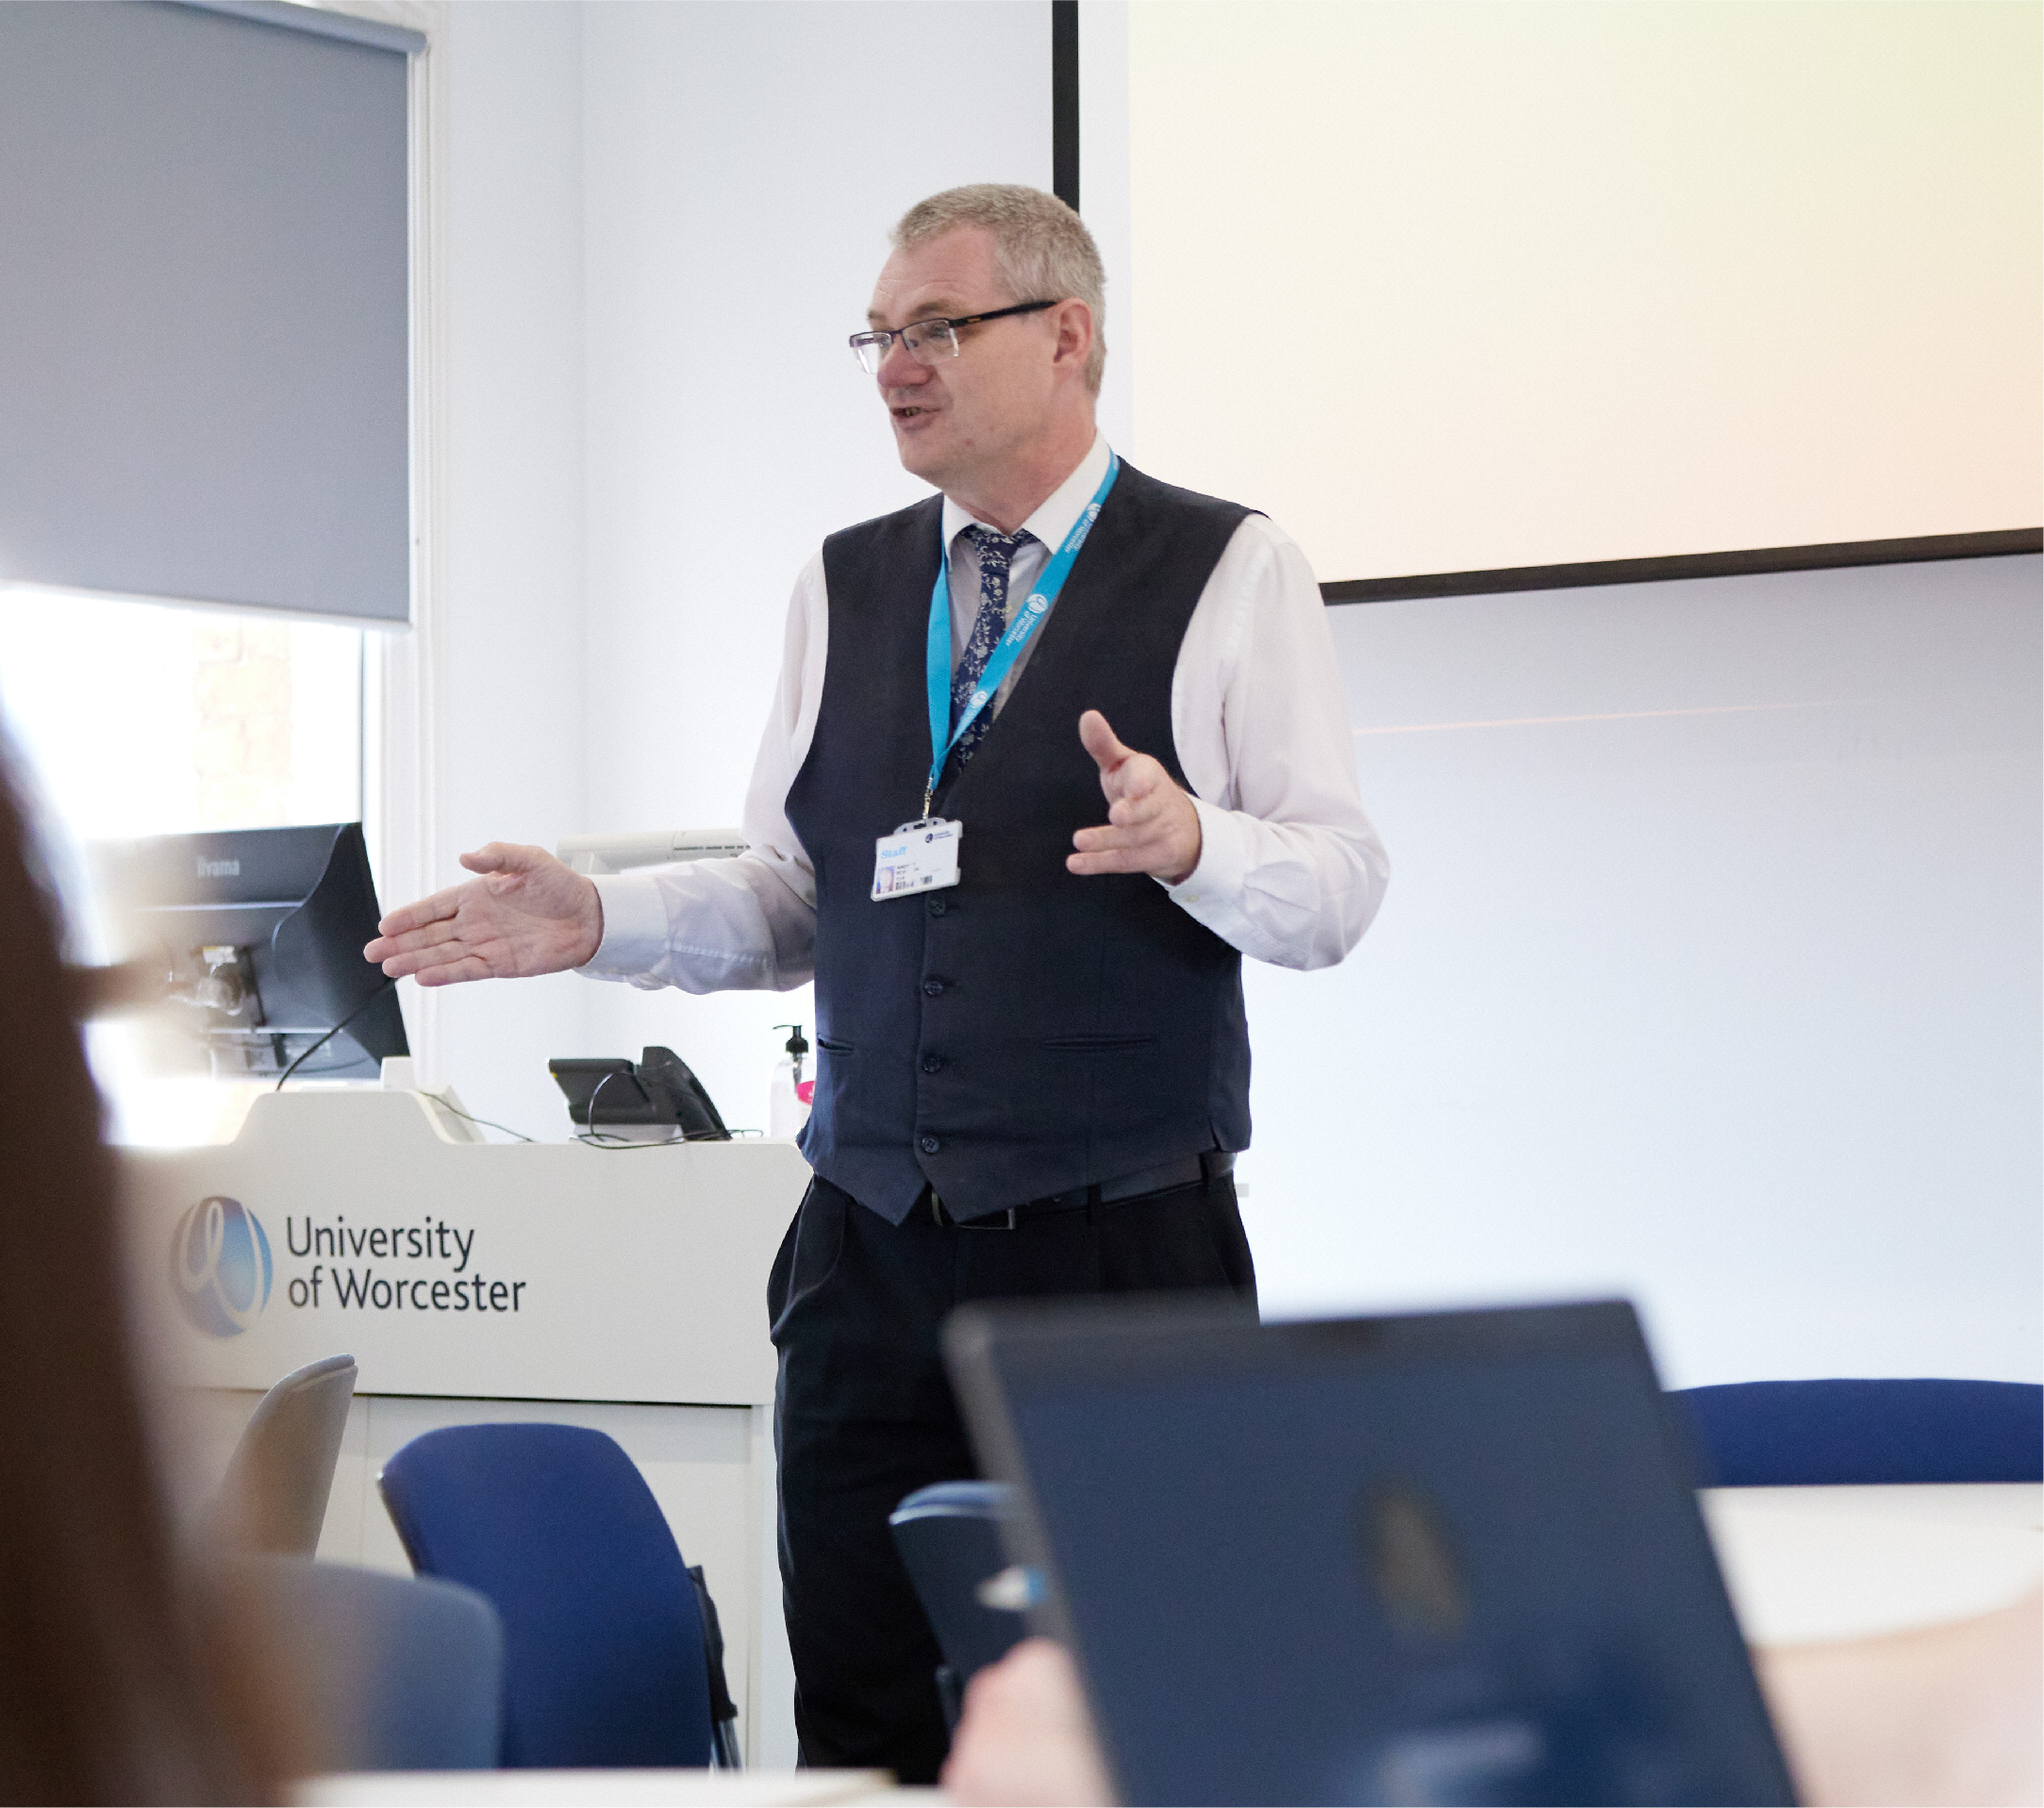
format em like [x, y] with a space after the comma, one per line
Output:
[1033, 1068]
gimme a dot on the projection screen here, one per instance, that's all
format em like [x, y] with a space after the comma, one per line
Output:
[1469, 284]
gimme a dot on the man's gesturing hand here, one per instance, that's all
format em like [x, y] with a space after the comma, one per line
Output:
[1152, 826]
[527, 914]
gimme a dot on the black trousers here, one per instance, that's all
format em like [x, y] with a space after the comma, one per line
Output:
[863, 1415]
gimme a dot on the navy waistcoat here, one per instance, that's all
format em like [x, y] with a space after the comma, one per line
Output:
[1026, 1031]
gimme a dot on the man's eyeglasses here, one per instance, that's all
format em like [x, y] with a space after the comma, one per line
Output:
[927, 340]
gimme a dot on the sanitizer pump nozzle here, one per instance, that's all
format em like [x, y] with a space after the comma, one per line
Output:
[797, 1046]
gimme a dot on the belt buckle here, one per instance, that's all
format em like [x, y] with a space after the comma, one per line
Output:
[944, 1216]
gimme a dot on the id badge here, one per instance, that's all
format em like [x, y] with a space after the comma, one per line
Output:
[917, 856]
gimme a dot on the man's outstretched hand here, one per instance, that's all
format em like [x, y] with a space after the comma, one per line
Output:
[527, 914]
[1152, 826]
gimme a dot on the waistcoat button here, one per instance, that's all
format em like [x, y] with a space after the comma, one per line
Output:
[933, 987]
[939, 905]
[929, 1145]
[932, 1062]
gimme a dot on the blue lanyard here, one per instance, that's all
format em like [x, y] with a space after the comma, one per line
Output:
[1021, 631]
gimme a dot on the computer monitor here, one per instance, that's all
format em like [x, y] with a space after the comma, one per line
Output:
[259, 934]
[1444, 1557]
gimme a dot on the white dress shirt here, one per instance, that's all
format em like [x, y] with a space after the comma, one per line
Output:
[1289, 872]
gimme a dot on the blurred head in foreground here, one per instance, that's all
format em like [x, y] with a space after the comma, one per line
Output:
[118, 1681]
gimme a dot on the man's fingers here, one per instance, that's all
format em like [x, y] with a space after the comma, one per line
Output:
[440, 906]
[398, 941]
[1139, 775]
[439, 966]
[400, 959]
[1095, 841]
[450, 974]
[1150, 828]
[1108, 860]
[431, 934]
[1098, 740]
[434, 934]
[1146, 812]
[1142, 807]
[503, 856]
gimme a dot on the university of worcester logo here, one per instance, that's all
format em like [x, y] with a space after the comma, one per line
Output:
[221, 1268]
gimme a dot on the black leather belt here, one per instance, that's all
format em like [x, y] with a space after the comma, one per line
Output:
[1185, 1172]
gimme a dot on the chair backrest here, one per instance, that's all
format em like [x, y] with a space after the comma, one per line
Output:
[949, 1537]
[273, 1495]
[395, 1672]
[1814, 1433]
[604, 1653]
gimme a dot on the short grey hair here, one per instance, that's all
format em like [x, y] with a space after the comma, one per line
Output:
[1041, 249]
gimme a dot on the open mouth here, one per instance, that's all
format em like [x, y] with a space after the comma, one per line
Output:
[911, 413]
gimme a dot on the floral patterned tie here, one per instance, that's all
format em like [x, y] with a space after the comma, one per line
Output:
[996, 554]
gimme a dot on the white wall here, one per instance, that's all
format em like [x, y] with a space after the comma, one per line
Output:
[503, 710]
[743, 165]
[662, 222]
[1518, 1083]
[657, 223]
[1708, 973]
[1735, 1012]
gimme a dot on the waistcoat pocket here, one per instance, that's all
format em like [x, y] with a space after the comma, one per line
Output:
[1097, 1044]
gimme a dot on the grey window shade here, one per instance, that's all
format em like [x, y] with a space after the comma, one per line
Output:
[204, 366]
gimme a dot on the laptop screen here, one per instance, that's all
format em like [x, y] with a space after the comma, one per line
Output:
[1454, 1558]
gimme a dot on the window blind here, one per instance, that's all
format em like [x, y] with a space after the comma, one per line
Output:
[203, 298]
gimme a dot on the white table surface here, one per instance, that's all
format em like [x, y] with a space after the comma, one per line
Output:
[609, 1789]
[1799, 1563]
[1841, 1562]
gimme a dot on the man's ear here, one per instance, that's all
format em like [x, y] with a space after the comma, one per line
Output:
[1075, 332]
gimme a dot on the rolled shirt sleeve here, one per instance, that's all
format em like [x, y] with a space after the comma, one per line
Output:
[748, 923]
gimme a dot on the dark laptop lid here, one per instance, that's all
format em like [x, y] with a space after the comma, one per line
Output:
[1451, 1557]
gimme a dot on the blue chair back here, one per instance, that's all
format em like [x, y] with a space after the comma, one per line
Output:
[396, 1672]
[949, 1537]
[604, 1653]
[1814, 1434]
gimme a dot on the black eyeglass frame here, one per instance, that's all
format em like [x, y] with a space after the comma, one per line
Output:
[884, 337]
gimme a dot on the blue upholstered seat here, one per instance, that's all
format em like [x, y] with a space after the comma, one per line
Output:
[949, 1537]
[604, 1652]
[1809, 1433]
[394, 1673]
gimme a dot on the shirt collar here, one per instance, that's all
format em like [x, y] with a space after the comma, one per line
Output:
[1060, 509]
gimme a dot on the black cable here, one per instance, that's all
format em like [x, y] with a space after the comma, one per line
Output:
[596, 1139]
[592, 1138]
[597, 1142]
[332, 1032]
[455, 1111]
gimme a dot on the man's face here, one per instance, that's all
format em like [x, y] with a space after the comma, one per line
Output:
[960, 419]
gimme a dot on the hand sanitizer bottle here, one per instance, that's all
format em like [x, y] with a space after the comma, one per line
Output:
[787, 1106]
